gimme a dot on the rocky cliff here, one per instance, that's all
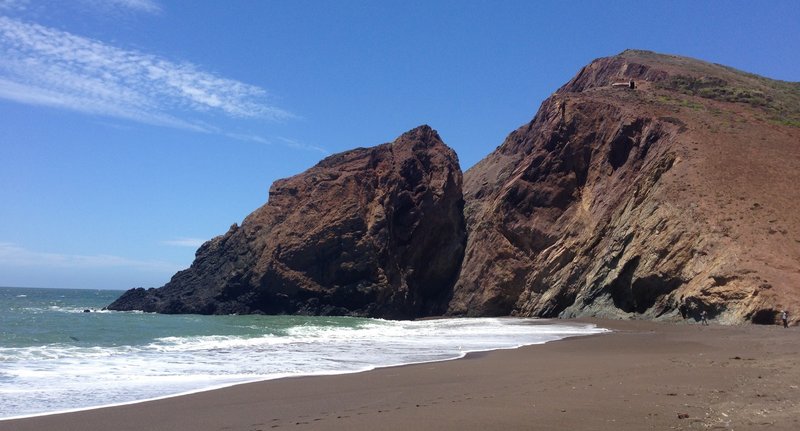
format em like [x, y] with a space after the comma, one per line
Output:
[661, 199]
[369, 232]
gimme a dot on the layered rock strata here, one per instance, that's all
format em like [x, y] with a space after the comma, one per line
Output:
[655, 202]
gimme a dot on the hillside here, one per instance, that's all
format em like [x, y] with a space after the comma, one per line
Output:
[659, 201]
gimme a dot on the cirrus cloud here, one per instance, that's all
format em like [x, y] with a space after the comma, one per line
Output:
[13, 4]
[147, 6]
[45, 66]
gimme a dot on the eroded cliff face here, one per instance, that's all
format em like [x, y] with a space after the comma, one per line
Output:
[660, 201]
[370, 232]
[657, 202]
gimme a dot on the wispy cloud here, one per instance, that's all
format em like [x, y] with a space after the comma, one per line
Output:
[147, 6]
[111, 8]
[13, 255]
[13, 4]
[290, 143]
[44, 66]
[184, 242]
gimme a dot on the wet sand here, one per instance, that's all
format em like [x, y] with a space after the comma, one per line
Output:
[642, 376]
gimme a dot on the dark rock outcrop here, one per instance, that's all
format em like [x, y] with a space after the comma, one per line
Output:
[370, 232]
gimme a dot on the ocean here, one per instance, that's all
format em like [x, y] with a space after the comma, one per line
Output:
[56, 357]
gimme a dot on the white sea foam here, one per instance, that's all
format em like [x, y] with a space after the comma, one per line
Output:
[62, 309]
[58, 377]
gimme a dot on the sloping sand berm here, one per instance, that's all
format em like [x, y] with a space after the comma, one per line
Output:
[642, 376]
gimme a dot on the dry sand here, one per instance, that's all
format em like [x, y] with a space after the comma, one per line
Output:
[642, 376]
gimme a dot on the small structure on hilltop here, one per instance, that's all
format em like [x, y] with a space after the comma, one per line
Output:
[630, 84]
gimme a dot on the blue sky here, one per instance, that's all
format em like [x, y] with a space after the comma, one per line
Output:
[132, 130]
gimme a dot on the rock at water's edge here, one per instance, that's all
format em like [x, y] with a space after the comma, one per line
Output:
[370, 232]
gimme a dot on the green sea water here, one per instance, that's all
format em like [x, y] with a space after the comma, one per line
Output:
[55, 356]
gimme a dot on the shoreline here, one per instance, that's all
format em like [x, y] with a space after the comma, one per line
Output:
[643, 375]
[463, 355]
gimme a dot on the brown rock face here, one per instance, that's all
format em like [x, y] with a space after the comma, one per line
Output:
[371, 232]
[660, 200]
[676, 197]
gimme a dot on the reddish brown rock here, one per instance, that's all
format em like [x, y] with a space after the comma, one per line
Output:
[656, 202]
[370, 232]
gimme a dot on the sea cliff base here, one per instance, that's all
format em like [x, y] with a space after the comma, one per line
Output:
[644, 375]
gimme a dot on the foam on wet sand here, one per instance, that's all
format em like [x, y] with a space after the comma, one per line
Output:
[643, 375]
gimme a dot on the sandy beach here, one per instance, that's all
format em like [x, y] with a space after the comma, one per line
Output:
[642, 376]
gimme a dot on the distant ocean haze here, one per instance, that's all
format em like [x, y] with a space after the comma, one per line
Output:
[54, 356]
